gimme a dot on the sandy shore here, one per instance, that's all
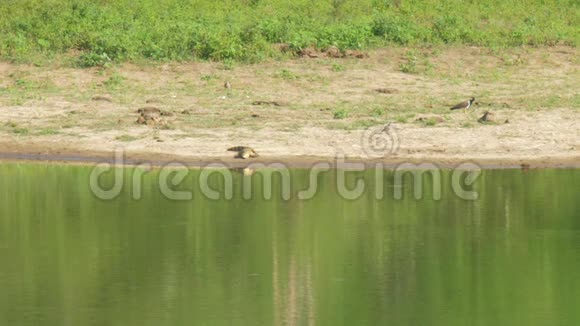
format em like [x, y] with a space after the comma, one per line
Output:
[502, 146]
[315, 110]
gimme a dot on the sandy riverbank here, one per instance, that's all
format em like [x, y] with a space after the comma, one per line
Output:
[324, 108]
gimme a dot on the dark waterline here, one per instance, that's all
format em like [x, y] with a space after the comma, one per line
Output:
[511, 257]
[299, 163]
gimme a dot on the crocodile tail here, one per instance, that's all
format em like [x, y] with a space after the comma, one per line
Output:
[236, 149]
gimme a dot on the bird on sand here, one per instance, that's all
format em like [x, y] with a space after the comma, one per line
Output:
[464, 105]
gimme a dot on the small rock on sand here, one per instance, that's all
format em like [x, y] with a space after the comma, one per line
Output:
[309, 52]
[356, 54]
[274, 103]
[486, 117]
[333, 52]
[435, 118]
[102, 98]
[148, 110]
[385, 90]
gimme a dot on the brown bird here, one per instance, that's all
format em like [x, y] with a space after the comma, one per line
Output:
[244, 152]
[486, 117]
[227, 85]
[387, 128]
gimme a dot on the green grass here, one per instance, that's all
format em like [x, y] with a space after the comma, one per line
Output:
[21, 131]
[98, 33]
[377, 112]
[287, 74]
[429, 122]
[340, 114]
[15, 128]
[48, 132]
[208, 77]
[410, 64]
[114, 82]
[336, 67]
[126, 138]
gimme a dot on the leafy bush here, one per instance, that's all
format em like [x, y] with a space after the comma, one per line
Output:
[397, 29]
[340, 114]
[244, 30]
[410, 64]
[92, 59]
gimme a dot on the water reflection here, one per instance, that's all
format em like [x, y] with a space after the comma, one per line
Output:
[511, 257]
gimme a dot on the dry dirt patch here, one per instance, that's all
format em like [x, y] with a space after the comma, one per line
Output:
[328, 106]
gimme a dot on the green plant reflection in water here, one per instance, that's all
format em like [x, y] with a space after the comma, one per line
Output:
[512, 257]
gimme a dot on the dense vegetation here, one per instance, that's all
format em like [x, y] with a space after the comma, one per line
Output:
[98, 31]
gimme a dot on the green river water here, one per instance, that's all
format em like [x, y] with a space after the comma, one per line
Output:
[510, 257]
